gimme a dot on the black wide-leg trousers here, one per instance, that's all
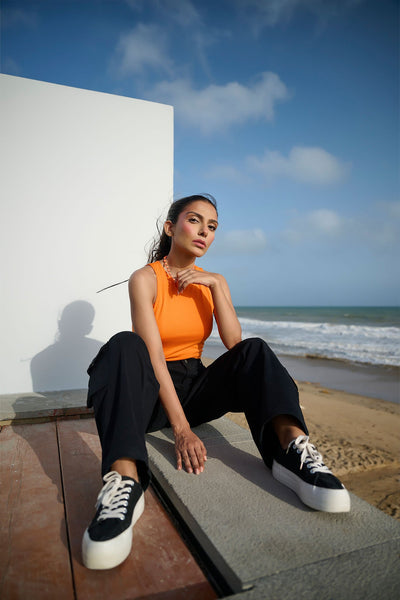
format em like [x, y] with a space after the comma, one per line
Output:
[123, 391]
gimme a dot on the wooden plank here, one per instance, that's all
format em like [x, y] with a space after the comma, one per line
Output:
[160, 567]
[34, 556]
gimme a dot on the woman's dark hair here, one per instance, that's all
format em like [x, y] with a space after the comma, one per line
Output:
[161, 245]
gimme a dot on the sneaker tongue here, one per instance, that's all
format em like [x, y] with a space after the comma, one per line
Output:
[126, 478]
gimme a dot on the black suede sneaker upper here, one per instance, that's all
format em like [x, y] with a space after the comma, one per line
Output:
[303, 459]
[115, 506]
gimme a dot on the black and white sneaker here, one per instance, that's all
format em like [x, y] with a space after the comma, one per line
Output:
[302, 469]
[107, 541]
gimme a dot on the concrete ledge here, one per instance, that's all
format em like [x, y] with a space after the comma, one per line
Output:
[258, 534]
[339, 578]
[15, 407]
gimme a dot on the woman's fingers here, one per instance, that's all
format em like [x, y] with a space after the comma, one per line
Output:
[183, 281]
[200, 459]
[190, 453]
[201, 454]
[185, 460]
[178, 461]
[191, 462]
[187, 276]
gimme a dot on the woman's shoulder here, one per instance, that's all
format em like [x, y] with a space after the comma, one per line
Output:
[143, 277]
[147, 271]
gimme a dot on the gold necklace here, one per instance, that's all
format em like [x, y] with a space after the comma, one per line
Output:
[166, 267]
[168, 271]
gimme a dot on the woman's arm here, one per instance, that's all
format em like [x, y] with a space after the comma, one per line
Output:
[228, 324]
[142, 291]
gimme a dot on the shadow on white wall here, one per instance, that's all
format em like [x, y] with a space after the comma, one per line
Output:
[62, 365]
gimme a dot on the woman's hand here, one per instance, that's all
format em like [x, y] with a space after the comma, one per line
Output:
[187, 276]
[190, 451]
[225, 315]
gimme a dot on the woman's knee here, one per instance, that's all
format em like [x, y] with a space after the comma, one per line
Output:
[126, 339]
[255, 350]
[129, 345]
[255, 344]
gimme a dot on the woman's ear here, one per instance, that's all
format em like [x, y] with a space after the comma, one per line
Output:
[169, 228]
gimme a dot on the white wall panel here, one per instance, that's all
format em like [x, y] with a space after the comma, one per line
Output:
[84, 175]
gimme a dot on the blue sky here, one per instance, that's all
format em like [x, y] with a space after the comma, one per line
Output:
[285, 110]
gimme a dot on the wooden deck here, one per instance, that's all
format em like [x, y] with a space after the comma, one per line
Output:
[49, 481]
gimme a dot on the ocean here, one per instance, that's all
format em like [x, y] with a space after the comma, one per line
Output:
[363, 335]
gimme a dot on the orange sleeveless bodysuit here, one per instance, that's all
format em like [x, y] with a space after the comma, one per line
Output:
[184, 320]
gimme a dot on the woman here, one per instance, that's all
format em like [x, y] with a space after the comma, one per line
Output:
[153, 378]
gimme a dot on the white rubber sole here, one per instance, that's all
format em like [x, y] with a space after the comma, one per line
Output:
[324, 499]
[111, 553]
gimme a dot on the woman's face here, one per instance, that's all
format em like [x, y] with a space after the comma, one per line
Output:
[195, 229]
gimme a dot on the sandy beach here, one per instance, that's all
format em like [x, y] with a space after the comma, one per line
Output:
[359, 438]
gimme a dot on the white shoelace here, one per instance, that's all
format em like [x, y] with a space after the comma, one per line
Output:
[114, 497]
[309, 455]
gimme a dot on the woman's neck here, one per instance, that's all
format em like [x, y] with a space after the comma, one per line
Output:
[177, 261]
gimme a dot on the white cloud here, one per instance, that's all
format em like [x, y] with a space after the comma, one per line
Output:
[377, 228]
[325, 221]
[320, 223]
[217, 107]
[184, 13]
[240, 241]
[306, 164]
[142, 48]
[188, 19]
[186, 16]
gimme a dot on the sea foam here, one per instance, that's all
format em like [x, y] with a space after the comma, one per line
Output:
[356, 343]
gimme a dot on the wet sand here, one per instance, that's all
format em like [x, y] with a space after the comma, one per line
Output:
[359, 438]
[375, 381]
